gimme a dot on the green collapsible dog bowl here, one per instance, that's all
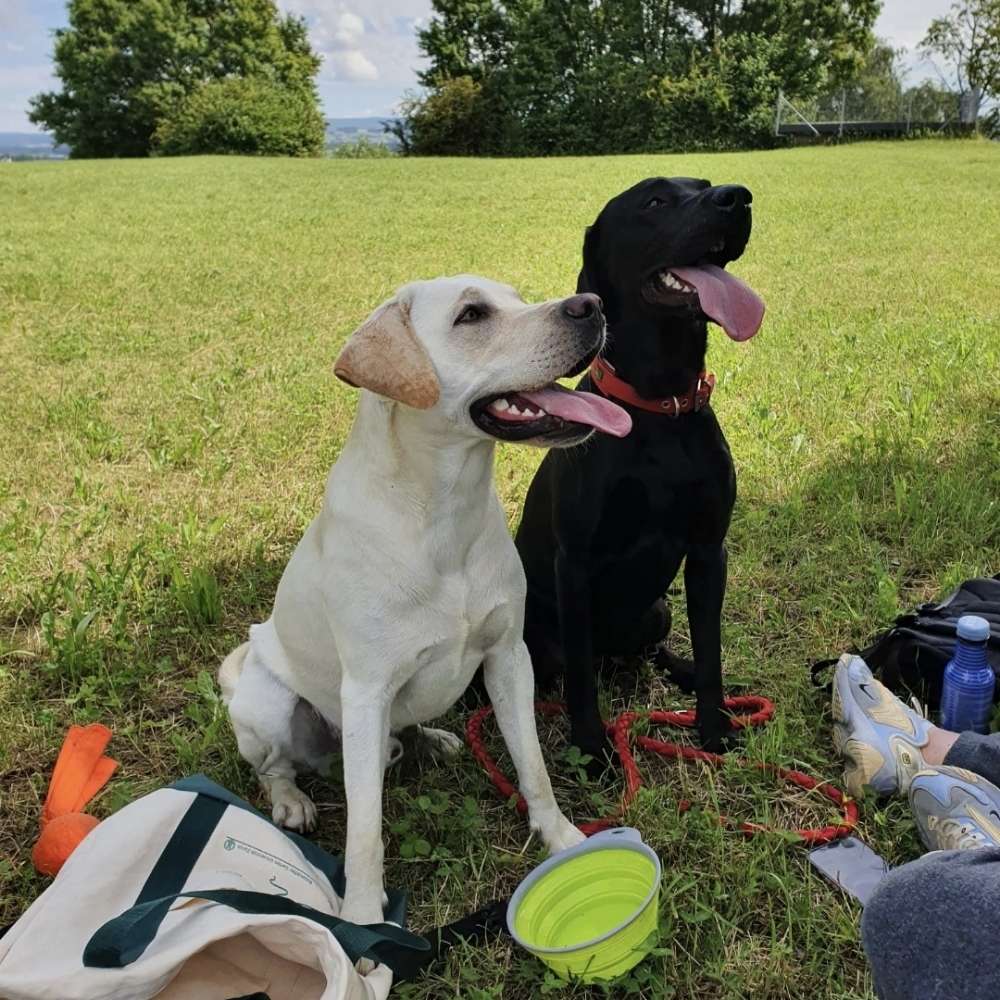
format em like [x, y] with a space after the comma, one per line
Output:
[591, 912]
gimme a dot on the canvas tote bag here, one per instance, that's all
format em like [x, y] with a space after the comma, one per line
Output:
[191, 894]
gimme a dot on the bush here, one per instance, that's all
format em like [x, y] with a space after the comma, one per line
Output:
[989, 124]
[451, 120]
[243, 115]
[362, 148]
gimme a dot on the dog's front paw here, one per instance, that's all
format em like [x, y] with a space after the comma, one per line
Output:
[597, 745]
[563, 835]
[714, 732]
[441, 744]
[292, 808]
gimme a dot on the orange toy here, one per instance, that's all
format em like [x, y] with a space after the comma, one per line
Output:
[81, 771]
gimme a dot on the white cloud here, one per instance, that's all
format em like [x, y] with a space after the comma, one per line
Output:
[363, 41]
[347, 28]
[352, 64]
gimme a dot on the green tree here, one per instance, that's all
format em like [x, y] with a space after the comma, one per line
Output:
[816, 41]
[467, 38]
[593, 76]
[878, 92]
[126, 64]
[969, 41]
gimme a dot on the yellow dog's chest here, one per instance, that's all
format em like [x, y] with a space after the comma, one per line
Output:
[446, 665]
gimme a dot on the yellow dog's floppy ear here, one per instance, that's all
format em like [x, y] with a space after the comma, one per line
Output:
[384, 356]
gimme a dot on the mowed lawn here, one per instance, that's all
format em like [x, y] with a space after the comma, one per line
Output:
[169, 413]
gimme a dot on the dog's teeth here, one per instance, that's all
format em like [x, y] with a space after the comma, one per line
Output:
[514, 410]
[500, 405]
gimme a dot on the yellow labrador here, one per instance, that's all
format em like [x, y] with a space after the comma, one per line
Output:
[408, 579]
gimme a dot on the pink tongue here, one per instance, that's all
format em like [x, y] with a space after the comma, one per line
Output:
[582, 408]
[733, 304]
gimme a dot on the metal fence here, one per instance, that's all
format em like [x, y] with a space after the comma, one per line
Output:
[831, 118]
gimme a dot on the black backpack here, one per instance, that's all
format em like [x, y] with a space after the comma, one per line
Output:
[910, 658]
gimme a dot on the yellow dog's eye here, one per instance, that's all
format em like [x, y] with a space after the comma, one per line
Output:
[470, 314]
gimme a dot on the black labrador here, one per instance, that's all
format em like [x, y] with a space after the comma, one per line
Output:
[606, 525]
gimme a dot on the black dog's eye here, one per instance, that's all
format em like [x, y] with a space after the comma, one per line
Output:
[470, 314]
[655, 202]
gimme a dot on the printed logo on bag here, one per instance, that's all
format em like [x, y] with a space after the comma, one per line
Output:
[232, 844]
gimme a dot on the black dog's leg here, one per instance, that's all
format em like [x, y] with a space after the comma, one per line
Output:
[580, 683]
[542, 641]
[705, 587]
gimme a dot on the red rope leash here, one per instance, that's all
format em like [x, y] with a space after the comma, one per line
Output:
[620, 731]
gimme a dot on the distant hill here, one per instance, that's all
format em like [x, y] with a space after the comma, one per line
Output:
[31, 146]
[341, 130]
[369, 124]
[39, 145]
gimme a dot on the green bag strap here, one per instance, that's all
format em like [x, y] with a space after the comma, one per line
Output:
[176, 862]
[123, 939]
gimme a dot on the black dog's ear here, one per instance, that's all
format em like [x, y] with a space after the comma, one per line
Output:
[588, 278]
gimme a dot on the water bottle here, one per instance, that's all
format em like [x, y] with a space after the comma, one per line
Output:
[967, 696]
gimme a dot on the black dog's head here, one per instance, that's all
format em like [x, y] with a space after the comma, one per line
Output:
[656, 255]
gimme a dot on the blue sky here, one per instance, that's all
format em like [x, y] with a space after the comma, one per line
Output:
[369, 49]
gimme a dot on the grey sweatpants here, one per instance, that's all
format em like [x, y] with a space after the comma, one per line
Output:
[932, 929]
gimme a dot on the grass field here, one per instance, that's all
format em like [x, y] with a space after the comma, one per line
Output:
[167, 330]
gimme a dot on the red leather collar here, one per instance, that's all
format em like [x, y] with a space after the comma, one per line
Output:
[696, 398]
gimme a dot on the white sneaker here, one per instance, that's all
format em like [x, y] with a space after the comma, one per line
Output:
[955, 809]
[878, 736]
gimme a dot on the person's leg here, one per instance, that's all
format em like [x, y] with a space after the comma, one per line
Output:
[931, 929]
[973, 752]
[884, 742]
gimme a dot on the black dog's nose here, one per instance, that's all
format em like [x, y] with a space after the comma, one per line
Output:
[582, 306]
[730, 196]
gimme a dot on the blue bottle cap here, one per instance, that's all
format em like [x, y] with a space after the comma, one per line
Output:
[973, 628]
